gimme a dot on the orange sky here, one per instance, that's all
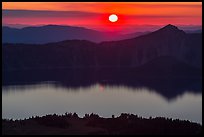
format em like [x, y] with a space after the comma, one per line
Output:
[144, 8]
[130, 13]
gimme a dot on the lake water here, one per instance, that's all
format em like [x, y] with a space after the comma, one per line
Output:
[19, 102]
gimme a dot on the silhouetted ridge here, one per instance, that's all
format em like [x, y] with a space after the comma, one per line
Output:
[56, 33]
[169, 26]
[49, 33]
[168, 41]
[58, 27]
[170, 29]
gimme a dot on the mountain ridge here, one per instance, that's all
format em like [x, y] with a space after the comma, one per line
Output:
[56, 33]
[129, 53]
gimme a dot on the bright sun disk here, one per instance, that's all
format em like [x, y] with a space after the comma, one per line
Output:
[113, 18]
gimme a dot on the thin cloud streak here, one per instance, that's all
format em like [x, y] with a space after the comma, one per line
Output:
[73, 14]
[41, 13]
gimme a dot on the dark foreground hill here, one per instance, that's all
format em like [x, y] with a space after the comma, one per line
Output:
[71, 124]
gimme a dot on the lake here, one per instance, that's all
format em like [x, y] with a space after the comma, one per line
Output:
[24, 101]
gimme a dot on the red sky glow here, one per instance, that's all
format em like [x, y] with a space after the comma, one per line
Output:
[95, 14]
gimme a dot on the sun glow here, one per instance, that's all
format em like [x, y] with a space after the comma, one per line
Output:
[113, 18]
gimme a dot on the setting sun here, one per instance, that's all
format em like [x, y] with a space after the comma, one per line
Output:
[113, 18]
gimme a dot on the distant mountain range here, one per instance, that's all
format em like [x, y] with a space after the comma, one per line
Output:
[56, 33]
[194, 31]
[168, 41]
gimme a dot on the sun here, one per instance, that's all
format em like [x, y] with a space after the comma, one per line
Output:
[113, 18]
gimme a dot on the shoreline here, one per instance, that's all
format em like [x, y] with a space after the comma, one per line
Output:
[91, 124]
